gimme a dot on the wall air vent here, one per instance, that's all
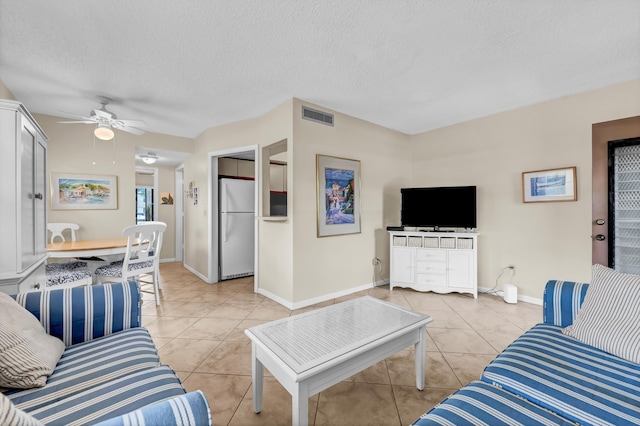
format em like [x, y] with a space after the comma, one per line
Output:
[317, 116]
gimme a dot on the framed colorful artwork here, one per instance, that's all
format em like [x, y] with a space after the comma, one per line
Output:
[83, 192]
[338, 195]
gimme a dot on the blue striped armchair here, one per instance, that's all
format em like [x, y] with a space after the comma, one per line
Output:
[110, 372]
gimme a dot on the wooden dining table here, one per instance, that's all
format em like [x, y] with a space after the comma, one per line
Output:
[88, 248]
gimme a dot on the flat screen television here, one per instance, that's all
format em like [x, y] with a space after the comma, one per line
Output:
[439, 207]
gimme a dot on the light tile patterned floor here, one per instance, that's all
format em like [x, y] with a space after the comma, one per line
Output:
[198, 329]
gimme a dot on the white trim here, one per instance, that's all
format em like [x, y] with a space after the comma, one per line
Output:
[196, 273]
[521, 298]
[156, 194]
[179, 212]
[304, 303]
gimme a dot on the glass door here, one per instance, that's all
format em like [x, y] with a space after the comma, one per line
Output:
[144, 204]
[624, 206]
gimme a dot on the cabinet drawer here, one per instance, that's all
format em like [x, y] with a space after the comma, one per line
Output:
[431, 255]
[431, 280]
[431, 267]
[34, 281]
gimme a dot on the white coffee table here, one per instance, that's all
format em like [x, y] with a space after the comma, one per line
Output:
[310, 352]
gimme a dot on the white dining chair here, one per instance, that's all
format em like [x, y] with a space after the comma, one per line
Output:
[57, 231]
[144, 242]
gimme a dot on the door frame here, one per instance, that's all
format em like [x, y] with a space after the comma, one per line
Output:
[601, 135]
[156, 195]
[179, 218]
[213, 210]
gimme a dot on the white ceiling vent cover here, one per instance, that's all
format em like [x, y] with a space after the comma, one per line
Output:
[317, 116]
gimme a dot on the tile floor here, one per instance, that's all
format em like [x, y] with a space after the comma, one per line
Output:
[198, 329]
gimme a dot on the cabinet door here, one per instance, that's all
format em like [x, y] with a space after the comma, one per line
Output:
[402, 265]
[461, 269]
[246, 168]
[228, 166]
[27, 219]
[40, 176]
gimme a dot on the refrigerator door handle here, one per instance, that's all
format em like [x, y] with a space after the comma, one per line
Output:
[225, 191]
[225, 231]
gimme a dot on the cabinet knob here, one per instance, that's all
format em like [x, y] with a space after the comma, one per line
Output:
[37, 286]
[39, 196]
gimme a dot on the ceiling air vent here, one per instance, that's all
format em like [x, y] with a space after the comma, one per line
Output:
[317, 116]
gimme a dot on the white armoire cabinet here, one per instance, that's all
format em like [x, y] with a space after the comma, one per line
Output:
[23, 191]
[442, 262]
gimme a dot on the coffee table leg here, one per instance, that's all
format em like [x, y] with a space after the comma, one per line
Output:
[257, 378]
[419, 352]
[299, 407]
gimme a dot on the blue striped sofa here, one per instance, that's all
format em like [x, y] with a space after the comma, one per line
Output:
[110, 372]
[547, 378]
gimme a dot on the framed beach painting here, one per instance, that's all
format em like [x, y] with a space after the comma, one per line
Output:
[83, 192]
[338, 195]
[549, 185]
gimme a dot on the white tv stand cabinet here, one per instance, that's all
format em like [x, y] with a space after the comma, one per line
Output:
[442, 262]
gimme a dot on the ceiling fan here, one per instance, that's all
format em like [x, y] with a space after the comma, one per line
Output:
[107, 121]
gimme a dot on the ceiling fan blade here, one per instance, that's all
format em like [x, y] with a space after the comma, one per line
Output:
[102, 114]
[83, 117]
[77, 122]
[128, 129]
[132, 123]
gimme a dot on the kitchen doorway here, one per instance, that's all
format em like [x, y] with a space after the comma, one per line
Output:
[245, 158]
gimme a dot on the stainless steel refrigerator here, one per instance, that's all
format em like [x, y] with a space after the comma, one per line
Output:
[236, 227]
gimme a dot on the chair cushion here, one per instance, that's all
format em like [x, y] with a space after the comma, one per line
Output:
[610, 315]
[28, 354]
[115, 268]
[56, 266]
[112, 398]
[63, 276]
[481, 403]
[571, 378]
[90, 364]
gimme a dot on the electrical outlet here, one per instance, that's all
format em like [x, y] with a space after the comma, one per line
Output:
[375, 261]
[511, 269]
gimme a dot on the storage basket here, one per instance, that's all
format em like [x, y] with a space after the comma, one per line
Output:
[446, 242]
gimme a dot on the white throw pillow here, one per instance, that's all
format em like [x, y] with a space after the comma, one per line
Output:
[28, 354]
[609, 318]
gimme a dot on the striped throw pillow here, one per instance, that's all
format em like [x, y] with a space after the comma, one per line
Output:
[12, 416]
[610, 315]
[28, 354]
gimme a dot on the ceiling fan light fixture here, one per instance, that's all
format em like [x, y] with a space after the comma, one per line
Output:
[149, 158]
[104, 132]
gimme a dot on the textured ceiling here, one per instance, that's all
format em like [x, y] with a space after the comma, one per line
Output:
[409, 65]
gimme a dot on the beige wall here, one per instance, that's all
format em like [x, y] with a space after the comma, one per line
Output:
[274, 238]
[543, 240]
[295, 265]
[5, 93]
[167, 212]
[71, 150]
[336, 264]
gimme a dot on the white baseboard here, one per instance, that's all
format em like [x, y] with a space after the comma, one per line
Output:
[521, 298]
[196, 273]
[319, 299]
